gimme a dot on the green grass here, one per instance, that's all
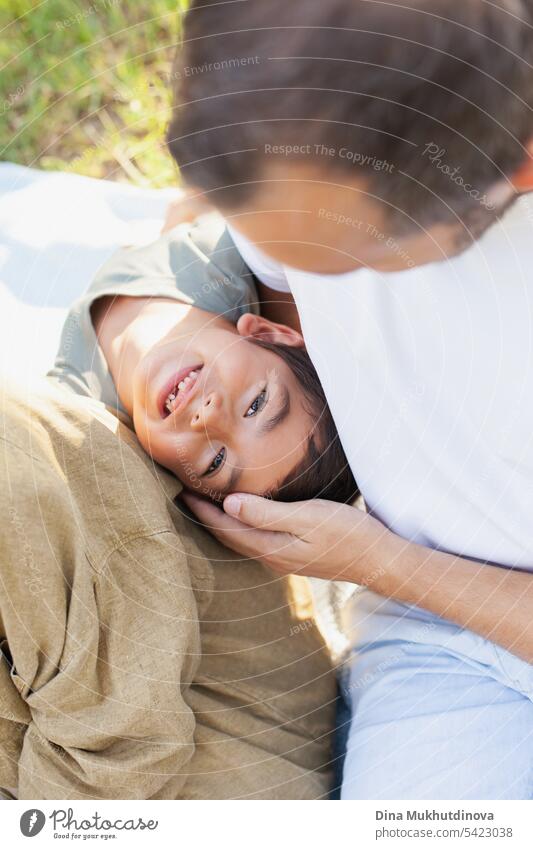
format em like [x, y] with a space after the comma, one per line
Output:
[84, 86]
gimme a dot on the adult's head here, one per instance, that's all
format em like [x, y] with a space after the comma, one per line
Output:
[342, 133]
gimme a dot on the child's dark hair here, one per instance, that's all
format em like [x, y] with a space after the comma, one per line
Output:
[324, 471]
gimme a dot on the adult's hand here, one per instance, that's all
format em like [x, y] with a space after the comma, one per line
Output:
[188, 206]
[334, 541]
[317, 538]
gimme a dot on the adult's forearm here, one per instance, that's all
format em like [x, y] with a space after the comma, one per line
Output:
[492, 601]
[337, 542]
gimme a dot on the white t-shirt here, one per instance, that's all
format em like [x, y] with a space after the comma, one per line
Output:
[429, 376]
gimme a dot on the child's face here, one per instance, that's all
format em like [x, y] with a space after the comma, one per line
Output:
[219, 412]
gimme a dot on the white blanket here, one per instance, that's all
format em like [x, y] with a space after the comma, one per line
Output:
[55, 231]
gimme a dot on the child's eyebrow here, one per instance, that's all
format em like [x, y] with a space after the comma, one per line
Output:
[281, 413]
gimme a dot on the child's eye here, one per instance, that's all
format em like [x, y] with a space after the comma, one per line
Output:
[257, 405]
[216, 463]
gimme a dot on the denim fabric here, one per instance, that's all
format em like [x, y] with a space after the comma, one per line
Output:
[438, 712]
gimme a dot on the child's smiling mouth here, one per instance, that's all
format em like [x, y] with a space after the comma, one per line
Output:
[179, 390]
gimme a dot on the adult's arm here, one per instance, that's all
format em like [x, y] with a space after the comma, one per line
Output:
[338, 542]
[188, 205]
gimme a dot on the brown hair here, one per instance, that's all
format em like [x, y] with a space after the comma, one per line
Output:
[389, 83]
[324, 471]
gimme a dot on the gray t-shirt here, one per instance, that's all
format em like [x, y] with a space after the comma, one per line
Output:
[196, 264]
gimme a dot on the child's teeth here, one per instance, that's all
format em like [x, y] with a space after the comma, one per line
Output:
[191, 377]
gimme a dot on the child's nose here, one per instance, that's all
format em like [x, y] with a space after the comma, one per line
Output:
[207, 412]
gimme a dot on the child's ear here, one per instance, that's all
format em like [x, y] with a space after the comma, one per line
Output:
[268, 331]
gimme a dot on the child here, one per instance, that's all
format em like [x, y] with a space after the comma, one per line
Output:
[170, 337]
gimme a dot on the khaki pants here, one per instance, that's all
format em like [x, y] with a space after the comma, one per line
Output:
[141, 659]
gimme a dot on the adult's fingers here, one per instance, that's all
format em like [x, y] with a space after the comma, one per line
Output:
[210, 515]
[235, 534]
[257, 512]
[188, 206]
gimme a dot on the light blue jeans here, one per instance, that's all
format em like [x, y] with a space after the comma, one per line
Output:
[437, 712]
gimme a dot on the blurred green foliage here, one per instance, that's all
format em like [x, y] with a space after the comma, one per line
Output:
[85, 86]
